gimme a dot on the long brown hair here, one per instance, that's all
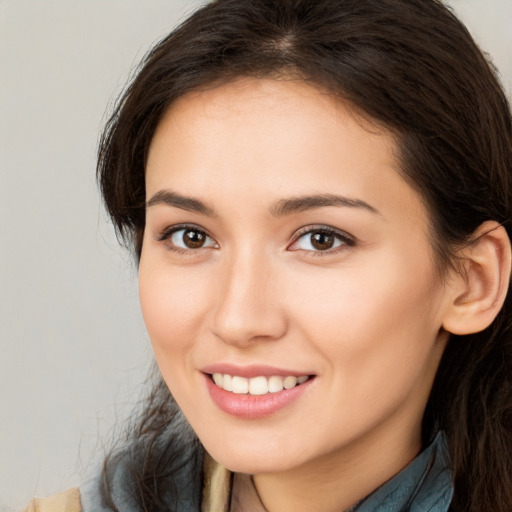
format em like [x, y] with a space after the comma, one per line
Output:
[411, 66]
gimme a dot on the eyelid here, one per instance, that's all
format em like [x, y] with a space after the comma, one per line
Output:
[167, 233]
[347, 239]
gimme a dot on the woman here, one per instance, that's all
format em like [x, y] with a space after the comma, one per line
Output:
[318, 195]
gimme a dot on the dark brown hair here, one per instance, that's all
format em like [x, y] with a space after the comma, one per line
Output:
[412, 67]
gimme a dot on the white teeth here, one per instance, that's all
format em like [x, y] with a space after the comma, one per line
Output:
[256, 385]
[275, 384]
[227, 382]
[240, 385]
[289, 382]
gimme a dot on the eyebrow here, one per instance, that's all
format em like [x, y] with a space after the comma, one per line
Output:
[303, 203]
[178, 201]
[282, 208]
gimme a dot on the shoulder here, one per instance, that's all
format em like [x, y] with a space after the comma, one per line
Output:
[67, 501]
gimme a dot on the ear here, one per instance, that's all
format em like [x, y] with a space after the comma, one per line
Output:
[478, 292]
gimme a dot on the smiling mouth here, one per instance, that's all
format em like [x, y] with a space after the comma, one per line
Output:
[257, 385]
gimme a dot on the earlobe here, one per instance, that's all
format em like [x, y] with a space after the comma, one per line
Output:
[479, 291]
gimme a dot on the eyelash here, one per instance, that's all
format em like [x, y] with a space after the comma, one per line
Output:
[345, 239]
[170, 231]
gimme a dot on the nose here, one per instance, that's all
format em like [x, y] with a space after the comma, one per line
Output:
[248, 307]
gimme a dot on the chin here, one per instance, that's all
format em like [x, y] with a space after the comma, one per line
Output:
[256, 460]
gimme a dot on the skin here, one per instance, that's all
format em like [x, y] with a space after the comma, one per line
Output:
[364, 317]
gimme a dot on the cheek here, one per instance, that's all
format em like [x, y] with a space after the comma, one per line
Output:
[173, 303]
[371, 321]
[384, 292]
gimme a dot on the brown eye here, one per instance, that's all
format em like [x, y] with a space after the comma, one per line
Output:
[193, 239]
[322, 241]
[189, 238]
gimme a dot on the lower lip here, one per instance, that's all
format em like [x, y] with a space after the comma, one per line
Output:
[254, 406]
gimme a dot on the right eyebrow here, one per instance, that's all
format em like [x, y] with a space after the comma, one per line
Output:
[171, 198]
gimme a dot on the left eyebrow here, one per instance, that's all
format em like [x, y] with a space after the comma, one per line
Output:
[303, 203]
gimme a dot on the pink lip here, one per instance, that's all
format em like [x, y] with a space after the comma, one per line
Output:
[254, 406]
[251, 371]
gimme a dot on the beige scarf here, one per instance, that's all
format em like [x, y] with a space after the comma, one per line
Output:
[67, 501]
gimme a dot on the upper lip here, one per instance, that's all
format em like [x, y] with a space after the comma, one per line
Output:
[250, 371]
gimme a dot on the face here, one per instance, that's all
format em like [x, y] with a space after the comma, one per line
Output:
[287, 281]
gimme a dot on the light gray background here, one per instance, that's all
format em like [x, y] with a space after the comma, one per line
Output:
[73, 352]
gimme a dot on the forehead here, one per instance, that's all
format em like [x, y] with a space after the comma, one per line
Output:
[268, 138]
[276, 102]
